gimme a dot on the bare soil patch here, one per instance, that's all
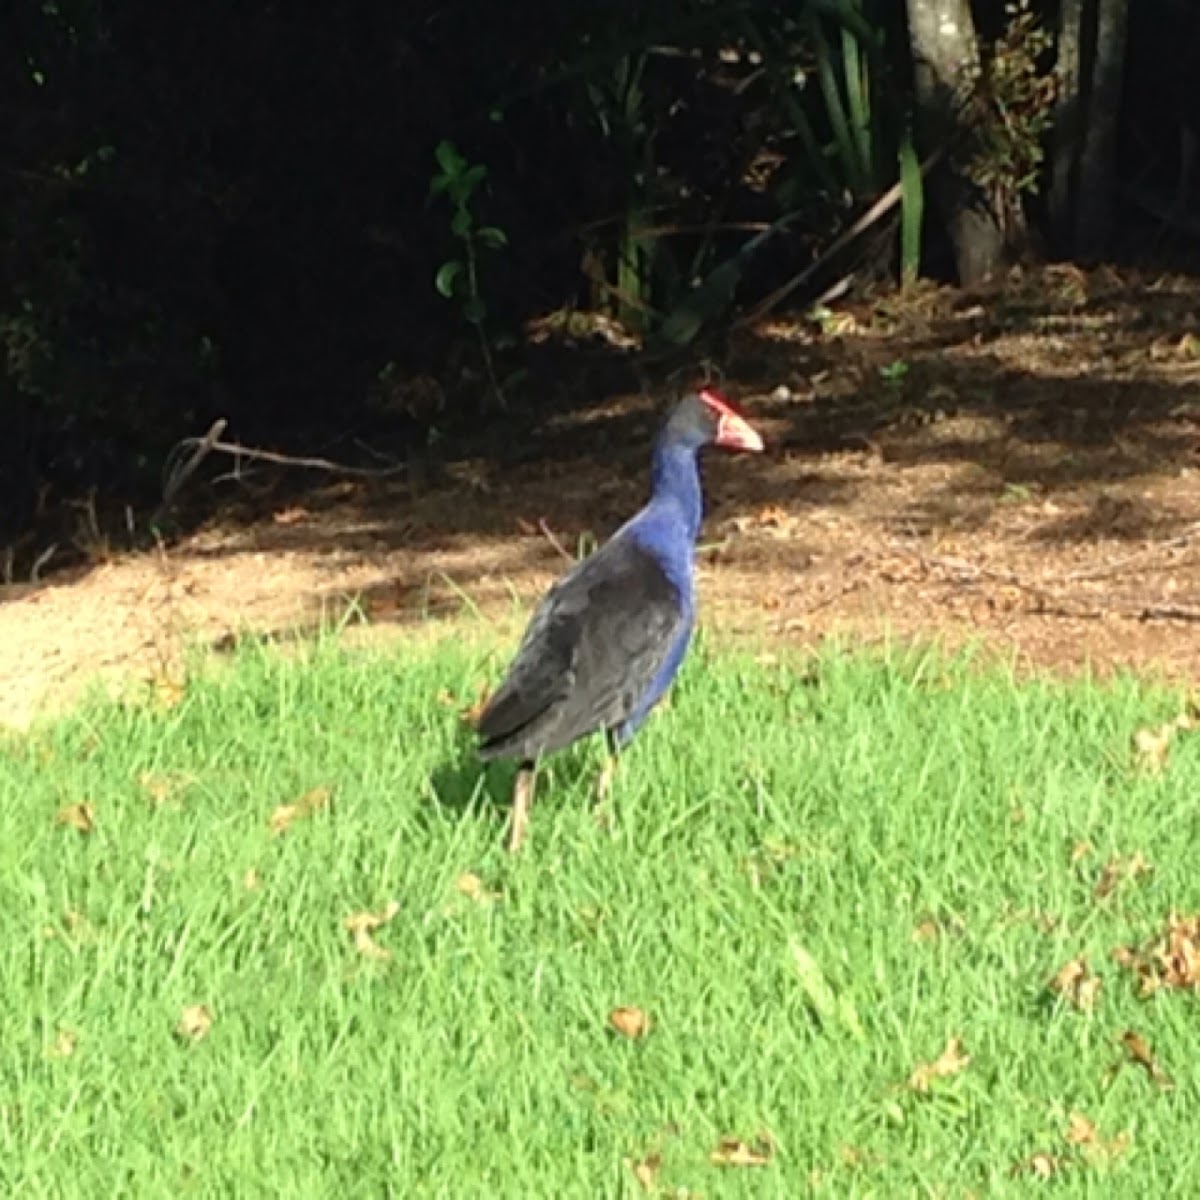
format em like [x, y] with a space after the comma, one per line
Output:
[1018, 467]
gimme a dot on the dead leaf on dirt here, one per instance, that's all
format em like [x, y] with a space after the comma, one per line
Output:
[363, 925]
[470, 885]
[1076, 984]
[1139, 1052]
[291, 516]
[80, 817]
[1169, 960]
[646, 1170]
[167, 690]
[733, 1152]
[64, 1044]
[1118, 871]
[629, 1022]
[286, 814]
[195, 1022]
[950, 1062]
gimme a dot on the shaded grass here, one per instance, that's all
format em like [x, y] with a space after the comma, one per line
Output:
[912, 825]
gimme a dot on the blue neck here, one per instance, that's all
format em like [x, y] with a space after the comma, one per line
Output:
[675, 483]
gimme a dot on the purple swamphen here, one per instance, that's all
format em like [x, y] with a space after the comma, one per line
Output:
[609, 637]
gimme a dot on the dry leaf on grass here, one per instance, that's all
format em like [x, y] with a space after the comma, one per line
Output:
[1041, 1165]
[470, 885]
[80, 817]
[1082, 1132]
[1118, 871]
[362, 925]
[950, 1062]
[1152, 745]
[646, 1170]
[65, 1042]
[733, 1152]
[1139, 1052]
[286, 814]
[195, 1022]
[160, 789]
[1170, 960]
[1076, 984]
[251, 881]
[629, 1022]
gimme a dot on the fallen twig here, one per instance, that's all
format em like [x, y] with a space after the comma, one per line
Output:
[872, 216]
[550, 537]
[210, 443]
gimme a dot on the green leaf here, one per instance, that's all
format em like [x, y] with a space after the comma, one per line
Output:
[489, 235]
[449, 159]
[912, 211]
[447, 276]
[460, 223]
[473, 177]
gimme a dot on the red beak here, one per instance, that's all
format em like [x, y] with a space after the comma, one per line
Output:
[734, 432]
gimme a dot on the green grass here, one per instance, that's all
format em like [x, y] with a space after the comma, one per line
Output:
[776, 815]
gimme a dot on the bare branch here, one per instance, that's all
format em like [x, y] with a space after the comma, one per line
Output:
[210, 443]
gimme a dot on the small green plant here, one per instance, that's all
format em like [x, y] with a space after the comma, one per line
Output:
[458, 278]
[894, 373]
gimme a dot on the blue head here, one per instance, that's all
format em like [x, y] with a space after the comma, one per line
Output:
[705, 418]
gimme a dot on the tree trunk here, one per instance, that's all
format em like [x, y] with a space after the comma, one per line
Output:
[1098, 153]
[945, 57]
[1068, 121]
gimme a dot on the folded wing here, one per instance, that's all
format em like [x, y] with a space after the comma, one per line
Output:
[591, 652]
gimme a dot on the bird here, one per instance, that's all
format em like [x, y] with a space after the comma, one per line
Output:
[607, 640]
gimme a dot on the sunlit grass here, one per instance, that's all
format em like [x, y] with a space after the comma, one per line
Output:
[819, 873]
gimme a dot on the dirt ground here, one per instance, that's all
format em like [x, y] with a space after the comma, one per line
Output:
[1020, 467]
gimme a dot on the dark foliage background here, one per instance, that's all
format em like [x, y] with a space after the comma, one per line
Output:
[224, 209]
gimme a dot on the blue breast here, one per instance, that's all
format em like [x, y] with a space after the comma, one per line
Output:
[667, 528]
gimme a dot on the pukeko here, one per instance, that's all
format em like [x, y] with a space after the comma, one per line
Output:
[607, 640]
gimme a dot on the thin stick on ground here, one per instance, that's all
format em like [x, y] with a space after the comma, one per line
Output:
[211, 443]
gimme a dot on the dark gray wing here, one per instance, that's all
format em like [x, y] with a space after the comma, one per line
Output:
[591, 651]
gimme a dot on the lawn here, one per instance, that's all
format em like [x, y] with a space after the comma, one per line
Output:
[260, 938]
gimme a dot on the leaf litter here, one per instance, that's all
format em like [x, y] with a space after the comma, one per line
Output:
[362, 927]
[81, 817]
[1169, 960]
[1077, 984]
[734, 1152]
[952, 1060]
[629, 1022]
[285, 815]
[1152, 745]
[195, 1023]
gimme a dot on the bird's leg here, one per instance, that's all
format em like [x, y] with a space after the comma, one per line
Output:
[605, 781]
[522, 803]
